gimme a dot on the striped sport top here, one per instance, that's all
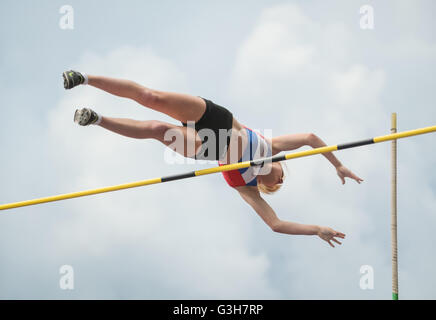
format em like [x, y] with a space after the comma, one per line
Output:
[256, 148]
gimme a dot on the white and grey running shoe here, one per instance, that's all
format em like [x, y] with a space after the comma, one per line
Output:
[85, 116]
[72, 78]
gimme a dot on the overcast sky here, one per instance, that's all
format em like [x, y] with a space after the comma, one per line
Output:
[285, 66]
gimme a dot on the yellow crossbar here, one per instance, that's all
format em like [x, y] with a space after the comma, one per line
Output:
[229, 167]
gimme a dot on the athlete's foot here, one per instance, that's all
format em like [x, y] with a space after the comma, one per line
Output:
[85, 117]
[72, 78]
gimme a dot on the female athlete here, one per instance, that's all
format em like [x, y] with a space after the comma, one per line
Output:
[211, 120]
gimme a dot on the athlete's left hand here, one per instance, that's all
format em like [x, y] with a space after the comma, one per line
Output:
[344, 172]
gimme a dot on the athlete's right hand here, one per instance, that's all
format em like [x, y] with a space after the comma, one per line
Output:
[328, 234]
[344, 172]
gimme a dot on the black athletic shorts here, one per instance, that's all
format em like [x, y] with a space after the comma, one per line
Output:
[214, 118]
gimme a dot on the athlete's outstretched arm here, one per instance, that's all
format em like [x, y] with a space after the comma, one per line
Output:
[252, 196]
[289, 142]
[295, 141]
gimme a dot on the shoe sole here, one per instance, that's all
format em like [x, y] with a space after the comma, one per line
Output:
[80, 116]
[66, 80]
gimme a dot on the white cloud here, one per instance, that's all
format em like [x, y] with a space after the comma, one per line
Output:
[276, 48]
[357, 83]
[305, 70]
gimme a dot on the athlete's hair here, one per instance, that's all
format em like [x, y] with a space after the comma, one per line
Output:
[272, 189]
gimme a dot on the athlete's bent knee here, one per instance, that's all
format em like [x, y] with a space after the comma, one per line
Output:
[276, 226]
[148, 97]
[157, 128]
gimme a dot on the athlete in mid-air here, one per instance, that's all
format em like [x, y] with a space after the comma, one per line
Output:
[242, 144]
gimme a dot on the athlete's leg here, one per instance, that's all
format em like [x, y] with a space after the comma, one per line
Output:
[153, 129]
[182, 107]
